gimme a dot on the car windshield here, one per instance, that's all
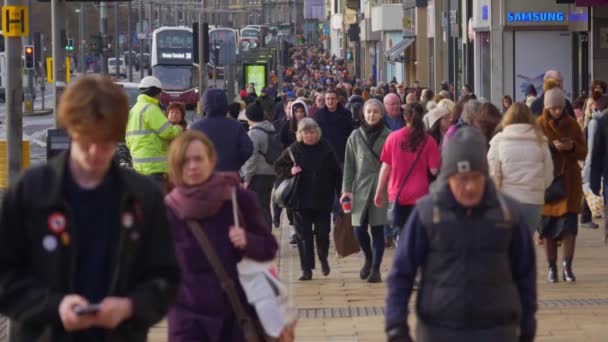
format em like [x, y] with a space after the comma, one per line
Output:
[249, 33]
[174, 77]
[113, 62]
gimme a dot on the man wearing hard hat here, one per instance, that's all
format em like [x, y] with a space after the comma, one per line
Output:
[149, 132]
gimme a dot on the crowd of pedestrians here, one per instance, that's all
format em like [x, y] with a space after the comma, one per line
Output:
[108, 252]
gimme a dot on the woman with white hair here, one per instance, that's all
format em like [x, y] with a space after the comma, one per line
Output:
[361, 169]
[316, 165]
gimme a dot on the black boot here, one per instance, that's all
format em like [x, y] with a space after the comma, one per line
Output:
[364, 274]
[552, 276]
[306, 275]
[325, 267]
[568, 275]
[374, 276]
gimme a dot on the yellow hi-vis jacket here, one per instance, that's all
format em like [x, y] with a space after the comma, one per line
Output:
[148, 136]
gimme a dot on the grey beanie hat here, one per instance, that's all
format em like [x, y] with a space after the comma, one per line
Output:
[464, 152]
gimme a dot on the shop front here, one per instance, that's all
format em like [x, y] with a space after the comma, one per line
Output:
[517, 41]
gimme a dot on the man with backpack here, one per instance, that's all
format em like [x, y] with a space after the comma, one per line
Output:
[258, 172]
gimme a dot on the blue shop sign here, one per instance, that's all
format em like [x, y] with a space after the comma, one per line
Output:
[539, 17]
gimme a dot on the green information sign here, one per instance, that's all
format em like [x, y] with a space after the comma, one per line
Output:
[256, 74]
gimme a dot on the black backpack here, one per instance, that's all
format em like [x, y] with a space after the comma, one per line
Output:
[274, 146]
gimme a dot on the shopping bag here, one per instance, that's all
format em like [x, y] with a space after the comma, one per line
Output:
[264, 290]
[595, 203]
[344, 236]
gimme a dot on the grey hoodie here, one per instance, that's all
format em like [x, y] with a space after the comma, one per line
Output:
[256, 164]
[591, 130]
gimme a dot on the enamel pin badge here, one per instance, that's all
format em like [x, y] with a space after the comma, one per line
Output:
[57, 223]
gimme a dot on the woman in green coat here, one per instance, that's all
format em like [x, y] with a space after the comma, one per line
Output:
[361, 169]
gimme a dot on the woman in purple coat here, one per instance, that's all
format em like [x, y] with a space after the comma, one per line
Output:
[202, 311]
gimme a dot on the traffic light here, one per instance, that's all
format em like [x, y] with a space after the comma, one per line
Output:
[70, 45]
[28, 52]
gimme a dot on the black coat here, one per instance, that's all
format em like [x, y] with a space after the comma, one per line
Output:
[320, 179]
[336, 127]
[34, 280]
[599, 155]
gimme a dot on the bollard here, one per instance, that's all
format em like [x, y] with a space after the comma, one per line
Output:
[28, 103]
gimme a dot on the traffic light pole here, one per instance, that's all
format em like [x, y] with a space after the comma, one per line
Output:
[30, 73]
[103, 31]
[58, 24]
[14, 98]
[116, 41]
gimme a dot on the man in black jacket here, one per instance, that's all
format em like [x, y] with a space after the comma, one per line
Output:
[85, 249]
[336, 123]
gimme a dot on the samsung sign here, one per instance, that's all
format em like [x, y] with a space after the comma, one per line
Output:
[536, 17]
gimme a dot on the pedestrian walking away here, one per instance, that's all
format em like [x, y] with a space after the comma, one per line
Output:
[233, 145]
[523, 176]
[258, 173]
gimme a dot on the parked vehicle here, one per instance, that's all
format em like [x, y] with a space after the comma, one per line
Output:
[112, 65]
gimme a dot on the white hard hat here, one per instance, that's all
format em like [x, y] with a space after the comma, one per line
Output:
[150, 81]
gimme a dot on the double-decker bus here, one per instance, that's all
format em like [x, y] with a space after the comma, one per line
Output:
[250, 37]
[172, 64]
[226, 40]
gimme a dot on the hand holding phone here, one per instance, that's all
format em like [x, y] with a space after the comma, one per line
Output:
[90, 309]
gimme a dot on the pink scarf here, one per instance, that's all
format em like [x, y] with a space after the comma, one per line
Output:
[204, 200]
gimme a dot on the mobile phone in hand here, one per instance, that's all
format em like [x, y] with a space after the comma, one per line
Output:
[87, 310]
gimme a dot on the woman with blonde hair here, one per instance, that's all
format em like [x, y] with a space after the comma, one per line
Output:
[523, 176]
[560, 215]
[201, 202]
[361, 168]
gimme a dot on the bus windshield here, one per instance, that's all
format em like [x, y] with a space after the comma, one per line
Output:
[174, 39]
[175, 77]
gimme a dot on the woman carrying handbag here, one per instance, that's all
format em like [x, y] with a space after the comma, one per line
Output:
[408, 156]
[211, 305]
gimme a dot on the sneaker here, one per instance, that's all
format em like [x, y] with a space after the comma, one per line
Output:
[589, 225]
[276, 221]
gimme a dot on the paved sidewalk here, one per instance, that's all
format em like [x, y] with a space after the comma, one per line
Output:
[342, 308]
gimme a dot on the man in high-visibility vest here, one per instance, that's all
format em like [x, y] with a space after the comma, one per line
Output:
[149, 132]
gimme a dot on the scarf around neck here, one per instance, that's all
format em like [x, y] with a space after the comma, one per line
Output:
[203, 200]
[372, 133]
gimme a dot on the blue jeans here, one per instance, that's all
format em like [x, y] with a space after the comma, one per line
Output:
[532, 216]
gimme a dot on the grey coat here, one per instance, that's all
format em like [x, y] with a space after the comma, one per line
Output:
[361, 171]
[256, 164]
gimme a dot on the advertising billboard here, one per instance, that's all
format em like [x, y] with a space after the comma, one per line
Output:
[256, 74]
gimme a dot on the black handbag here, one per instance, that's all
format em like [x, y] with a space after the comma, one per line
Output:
[286, 192]
[557, 190]
[395, 213]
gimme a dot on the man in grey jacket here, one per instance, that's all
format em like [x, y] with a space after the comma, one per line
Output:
[257, 172]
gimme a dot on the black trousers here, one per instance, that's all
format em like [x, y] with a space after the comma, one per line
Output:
[262, 186]
[305, 219]
[586, 215]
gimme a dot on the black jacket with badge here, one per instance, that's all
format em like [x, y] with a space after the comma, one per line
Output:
[35, 275]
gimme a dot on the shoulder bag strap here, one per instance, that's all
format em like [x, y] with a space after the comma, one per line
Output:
[369, 147]
[226, 282]
[291, 156]
[409, 173]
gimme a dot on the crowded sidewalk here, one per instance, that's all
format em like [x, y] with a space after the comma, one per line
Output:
[343, 308]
